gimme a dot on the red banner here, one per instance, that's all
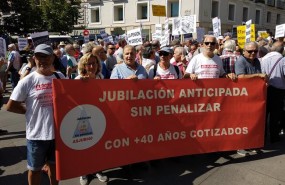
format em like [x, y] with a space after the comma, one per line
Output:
[102, 124]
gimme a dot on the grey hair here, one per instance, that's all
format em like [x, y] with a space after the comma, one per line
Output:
[230, 45]
[181, 50]
[88, 47]
[251, 43]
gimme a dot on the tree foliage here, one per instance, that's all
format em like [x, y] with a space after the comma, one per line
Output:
[28, 16]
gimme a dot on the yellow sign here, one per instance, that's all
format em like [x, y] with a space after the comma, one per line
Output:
[263, 34]
[158, 10]
[241, 35]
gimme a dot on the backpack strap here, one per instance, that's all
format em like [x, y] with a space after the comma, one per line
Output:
[177, 71]
[274, 67]
[154, 70]
[56, 75]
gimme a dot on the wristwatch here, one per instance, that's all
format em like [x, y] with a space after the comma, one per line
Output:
[28, 68]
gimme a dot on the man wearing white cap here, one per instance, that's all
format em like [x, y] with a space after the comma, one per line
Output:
[35, 90]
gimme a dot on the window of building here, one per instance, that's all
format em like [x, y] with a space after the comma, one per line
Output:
[119, 13]
[215, 9]
[143, 10]
[278, 19]
[245, 14]
[257, 17]
[95, 14]
[268, 19]
[173, 8]
[231, 16]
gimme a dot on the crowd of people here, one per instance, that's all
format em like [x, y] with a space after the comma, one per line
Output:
[213, 58]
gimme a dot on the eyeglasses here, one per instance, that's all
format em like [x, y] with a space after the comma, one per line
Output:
[212, 43]
[251, 51]
[112, 48]
[163, 53]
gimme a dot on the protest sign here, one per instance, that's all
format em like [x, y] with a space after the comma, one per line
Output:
[158, 10]
[120, 122]
[263, 34]
[279, 31]
[176, 26]
[104, 35]
[200, 34]
[3, 46]
[216, 26]
[40, 38]
[134, 37]
[188, 24]
[247, 31]
[241, 35]
[22, 43]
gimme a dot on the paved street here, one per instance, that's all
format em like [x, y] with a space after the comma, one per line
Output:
[267, 168]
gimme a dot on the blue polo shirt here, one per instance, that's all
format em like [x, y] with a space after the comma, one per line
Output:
[122, 71]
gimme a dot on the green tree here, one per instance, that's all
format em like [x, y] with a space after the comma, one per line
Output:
[59, 14]
[28, 16]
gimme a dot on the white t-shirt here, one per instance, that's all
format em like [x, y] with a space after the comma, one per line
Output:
[147, 63]
[169, 73]
[36, 91]
[206, 67]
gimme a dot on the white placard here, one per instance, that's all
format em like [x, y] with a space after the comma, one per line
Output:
[22, 43]
[158, 31]
[2, 47]
[216, 26]
[279, 31]
[104, 35]
[200, 34]
[166, 24]
[247, 31]
[188, 24]
[176, 25]
[111, 39]
[40, 38]
[134, 37]
[165, 39]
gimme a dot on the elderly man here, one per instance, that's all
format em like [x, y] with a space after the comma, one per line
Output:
[229, 58]
[111, 60]
[14, 64]
[207, 64]
[100, 52]
[273, 64]
[35, 90]
[71, 61]
[130, 69]
[119, 52]
[248, 66]
[180, 59]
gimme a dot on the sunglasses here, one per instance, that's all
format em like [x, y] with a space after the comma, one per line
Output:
[112, 48]
[212, 43]
[91, 64]
[163, 53]
[251, 51]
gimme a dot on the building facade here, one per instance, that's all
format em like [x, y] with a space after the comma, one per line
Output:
[119, 16]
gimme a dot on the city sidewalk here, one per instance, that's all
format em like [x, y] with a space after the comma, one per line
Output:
[223, 168]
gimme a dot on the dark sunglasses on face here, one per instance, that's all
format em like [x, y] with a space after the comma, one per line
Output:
[112, 48]
[163, 54]
[212, 43]
[251, 51]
